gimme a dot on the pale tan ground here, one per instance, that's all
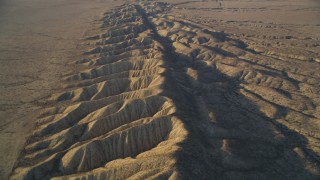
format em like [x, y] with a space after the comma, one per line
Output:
[37, 39]
[185, 89]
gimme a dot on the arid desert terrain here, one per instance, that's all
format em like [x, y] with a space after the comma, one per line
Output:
[212, 89]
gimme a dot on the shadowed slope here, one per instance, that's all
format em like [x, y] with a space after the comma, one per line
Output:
[163, 98]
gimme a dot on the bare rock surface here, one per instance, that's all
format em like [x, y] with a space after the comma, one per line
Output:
[161, 95]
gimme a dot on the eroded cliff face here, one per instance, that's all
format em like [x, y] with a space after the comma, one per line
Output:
[161, 97]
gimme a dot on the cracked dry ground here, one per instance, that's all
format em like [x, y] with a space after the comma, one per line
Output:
[160, 97]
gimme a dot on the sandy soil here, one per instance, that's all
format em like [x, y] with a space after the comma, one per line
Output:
[37, 39]
[174, 90]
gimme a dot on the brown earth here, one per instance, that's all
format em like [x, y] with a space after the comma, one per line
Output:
[184, 90]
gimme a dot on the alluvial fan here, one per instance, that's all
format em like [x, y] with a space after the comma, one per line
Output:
[166, 98]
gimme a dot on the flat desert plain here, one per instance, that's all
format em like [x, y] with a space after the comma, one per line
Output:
[211, 89]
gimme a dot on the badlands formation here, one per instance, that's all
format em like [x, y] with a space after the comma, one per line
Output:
[159, 94]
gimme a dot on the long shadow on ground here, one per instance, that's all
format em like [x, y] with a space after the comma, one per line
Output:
[229, 138]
